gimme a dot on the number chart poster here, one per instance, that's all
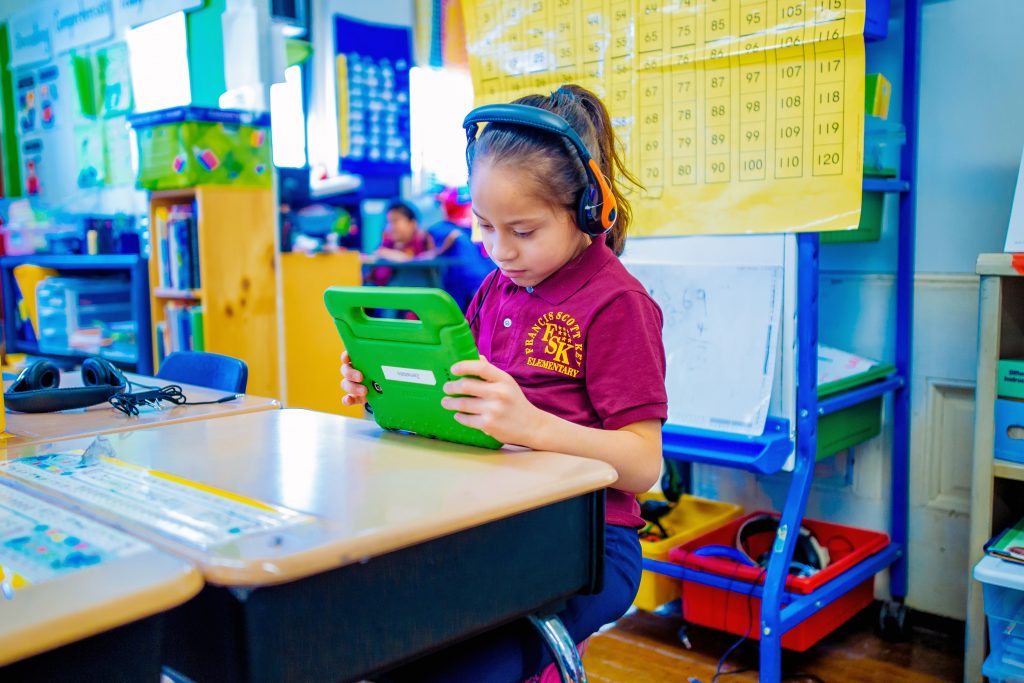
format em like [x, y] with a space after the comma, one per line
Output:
[737, 116]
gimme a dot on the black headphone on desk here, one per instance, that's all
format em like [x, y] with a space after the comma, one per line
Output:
[37, 388]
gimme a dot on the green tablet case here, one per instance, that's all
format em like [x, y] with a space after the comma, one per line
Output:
[405, 363]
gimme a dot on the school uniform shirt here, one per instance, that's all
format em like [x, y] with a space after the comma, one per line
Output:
[584, 345]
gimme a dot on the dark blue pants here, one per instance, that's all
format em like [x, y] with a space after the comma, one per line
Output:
[515, 652]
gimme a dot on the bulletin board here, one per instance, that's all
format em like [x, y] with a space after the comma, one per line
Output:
[737, 116]
[372, 65]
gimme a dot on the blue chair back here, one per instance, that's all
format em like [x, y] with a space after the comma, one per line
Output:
[205, 369]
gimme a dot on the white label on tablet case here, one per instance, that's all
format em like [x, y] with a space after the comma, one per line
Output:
[409, 375]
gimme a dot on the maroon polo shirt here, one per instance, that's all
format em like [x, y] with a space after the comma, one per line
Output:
[584, 344]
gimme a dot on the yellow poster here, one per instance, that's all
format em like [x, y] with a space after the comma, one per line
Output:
[737, 116]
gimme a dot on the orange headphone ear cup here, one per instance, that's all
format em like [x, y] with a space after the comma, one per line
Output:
[586, 220]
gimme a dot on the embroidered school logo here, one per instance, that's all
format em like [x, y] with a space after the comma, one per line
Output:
[555, 342]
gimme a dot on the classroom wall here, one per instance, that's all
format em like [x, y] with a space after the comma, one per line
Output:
[970, 141]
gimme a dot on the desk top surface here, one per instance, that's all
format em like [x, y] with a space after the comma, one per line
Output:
[58, 593]
[348, 489]
[26, 429]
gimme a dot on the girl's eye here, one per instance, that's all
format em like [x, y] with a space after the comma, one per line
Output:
[521, 234]
[485, 226]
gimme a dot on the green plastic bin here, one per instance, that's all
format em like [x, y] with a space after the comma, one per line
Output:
[870, 227]
[189, 146]
[856, 424]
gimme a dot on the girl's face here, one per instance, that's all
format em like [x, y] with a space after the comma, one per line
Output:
[403, 229]
[525, 236]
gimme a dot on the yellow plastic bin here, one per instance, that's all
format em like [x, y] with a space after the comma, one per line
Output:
[691, 517]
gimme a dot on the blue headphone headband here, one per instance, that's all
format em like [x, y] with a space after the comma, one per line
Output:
[525, 115]
[596, 212]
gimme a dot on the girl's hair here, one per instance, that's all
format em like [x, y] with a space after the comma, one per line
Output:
[403, 207]
[553, 165]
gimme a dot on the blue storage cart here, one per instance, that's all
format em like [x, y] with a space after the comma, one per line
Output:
[767, 453]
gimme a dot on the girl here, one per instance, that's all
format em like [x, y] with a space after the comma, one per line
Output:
[403, 240]
[571, 354]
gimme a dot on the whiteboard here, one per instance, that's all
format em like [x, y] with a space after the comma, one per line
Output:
[747, 350]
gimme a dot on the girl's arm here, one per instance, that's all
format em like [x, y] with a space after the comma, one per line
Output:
[392, 254]
[496, 405]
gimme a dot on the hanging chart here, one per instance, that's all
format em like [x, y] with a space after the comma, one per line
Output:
[737, 116]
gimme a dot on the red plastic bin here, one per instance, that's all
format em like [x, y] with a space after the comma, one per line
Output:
[737, 613]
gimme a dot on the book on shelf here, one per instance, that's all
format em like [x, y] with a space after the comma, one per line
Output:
[1008, 544]
[178, 237]
[181, 329]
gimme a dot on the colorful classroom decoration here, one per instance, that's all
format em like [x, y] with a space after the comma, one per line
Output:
[372, 67]
[737, 116]
[189, 146]
[40, 542]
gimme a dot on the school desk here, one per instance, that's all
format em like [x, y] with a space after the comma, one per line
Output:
[81, 601]
[416, 272]
[26, 429]
[414, 544]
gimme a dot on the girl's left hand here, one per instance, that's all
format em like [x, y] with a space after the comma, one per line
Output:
[492, 402]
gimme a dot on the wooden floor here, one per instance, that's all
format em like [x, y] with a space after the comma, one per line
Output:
[645, 648]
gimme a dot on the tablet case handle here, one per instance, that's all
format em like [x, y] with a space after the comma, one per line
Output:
[433, 307]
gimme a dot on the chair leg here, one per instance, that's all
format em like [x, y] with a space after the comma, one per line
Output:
[563, 650]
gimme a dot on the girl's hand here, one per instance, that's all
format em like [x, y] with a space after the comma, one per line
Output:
[492, 402]
[355, 392]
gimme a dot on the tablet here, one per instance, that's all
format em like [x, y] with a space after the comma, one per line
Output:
[405, 363]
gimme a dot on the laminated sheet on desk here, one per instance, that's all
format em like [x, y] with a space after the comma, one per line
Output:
[188, 512]
[737, 116]
[40, 542]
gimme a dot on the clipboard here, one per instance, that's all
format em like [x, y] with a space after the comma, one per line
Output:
[405, 363]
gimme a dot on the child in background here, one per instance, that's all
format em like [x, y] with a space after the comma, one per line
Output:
[403, 240]
[454, 239]
[571, 349]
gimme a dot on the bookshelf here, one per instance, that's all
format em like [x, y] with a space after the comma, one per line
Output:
[234, 281]
[997, 486]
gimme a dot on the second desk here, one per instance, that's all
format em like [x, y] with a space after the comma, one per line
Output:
[411, 544]
[29, 429]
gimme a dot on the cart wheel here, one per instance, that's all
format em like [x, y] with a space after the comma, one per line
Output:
[894, 622]
[683, 638]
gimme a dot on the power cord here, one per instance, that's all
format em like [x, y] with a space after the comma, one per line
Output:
[130, 403]
[746, 634]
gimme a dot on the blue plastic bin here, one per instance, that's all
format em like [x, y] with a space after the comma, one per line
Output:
[876, 21]
[1009, 430]
[1003, 585]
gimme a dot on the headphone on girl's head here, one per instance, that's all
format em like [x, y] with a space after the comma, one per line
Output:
[596, 209]
[36, 390]
[809, 555]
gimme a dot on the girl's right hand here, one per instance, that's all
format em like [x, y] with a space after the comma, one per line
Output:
[355, 392]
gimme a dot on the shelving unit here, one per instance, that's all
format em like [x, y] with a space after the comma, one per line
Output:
[132, 265]
[767, 454]
[238, 289]
[997, 494]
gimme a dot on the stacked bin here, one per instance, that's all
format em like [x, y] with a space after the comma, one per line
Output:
[1003, 584]
[690, 517]
[65, 305]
